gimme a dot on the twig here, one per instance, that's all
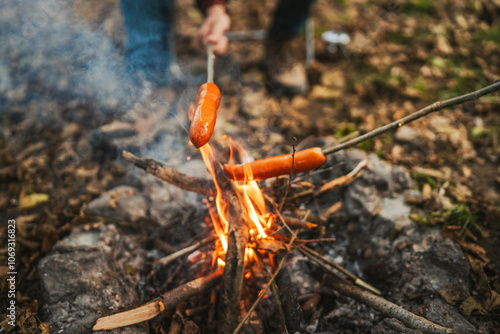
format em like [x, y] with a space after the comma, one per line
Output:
[436, 106]
[309, 241]
[289, 176]
[343, 180]
[385, 307]
[322, 261]
[299, 222]
[171, 257]
[263, 292]
[155, 307]
[274, 291]
[171, 175]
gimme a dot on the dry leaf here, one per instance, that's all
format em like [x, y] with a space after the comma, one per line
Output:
[32, 200]
[470, 305]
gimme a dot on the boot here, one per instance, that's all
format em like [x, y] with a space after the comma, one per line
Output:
[284, 69]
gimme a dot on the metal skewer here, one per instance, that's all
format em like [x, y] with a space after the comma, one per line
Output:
[210, 63]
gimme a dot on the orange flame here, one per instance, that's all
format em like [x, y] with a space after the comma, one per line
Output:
[250, 196]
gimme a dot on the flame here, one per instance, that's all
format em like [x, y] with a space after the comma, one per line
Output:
[250, 196]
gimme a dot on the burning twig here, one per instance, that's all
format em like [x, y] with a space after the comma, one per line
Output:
[299, 222]
[436, 106]
[157, 306]
[232, 279]
[171, 257]
[171, 175]
[385, 307]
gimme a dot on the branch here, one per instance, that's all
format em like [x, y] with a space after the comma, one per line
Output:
[385, 307]
[234, 270]
[171, 175]
[157, 306]
[436, 106]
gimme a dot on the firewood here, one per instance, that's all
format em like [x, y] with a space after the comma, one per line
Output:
[238, 234]
[157, 306]
[171, 175]
[385, 307]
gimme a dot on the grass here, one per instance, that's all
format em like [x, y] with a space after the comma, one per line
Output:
[459, 215]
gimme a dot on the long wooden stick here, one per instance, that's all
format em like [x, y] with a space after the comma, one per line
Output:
[210, 63]
[171, 175]
[436, 106]
[234, 270]
[385, 307]
[155, 307]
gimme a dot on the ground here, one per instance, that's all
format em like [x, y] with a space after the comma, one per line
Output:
[403, 56]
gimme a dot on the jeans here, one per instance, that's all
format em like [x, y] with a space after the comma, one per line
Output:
[147, 25]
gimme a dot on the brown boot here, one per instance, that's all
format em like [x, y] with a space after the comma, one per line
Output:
[284, 68]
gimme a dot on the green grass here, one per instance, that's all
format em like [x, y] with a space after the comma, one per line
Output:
[459, 215]
[492, 35]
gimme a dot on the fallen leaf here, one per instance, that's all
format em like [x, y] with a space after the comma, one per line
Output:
[32, 200]
[470, 305]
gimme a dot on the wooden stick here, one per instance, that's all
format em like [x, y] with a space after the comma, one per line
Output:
[155, 307]
[210, 63]
[322, 261]
[171, 257]
[436, 106]
[171, 175]
[261, 294]
[385, 307]
[234, 270]
[343, 180]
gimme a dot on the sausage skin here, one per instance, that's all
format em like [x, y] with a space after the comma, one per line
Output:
[205, 114]
[304, 161]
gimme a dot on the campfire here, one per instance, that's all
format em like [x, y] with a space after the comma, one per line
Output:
[248, 225]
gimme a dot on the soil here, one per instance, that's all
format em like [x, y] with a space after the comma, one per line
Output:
[58, 85]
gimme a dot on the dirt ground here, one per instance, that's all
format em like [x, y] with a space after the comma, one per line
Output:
[403, 56]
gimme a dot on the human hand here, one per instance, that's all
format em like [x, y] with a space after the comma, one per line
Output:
[216, 23]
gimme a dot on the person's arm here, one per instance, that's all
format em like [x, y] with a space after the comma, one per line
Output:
[216, 23]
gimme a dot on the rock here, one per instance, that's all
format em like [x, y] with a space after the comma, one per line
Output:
[84, 278]
[122, 203]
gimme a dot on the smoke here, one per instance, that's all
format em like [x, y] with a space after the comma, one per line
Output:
[45, 52]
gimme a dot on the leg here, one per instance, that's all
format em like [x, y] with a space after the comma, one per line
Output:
[147, 27]
[290, 17]
[283, 49]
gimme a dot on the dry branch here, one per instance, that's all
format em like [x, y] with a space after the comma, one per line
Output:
[385, 307]
[436, 106]
[234, 270]
[155, 307]
[171, 175]
[343, 180]
[187, 250]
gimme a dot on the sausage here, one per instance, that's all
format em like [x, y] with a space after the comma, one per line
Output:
[205, 114]
[304, 161]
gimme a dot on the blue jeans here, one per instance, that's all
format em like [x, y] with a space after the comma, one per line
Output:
[147, 24]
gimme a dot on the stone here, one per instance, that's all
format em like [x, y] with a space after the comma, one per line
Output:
[84, 278]
[122, 203]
